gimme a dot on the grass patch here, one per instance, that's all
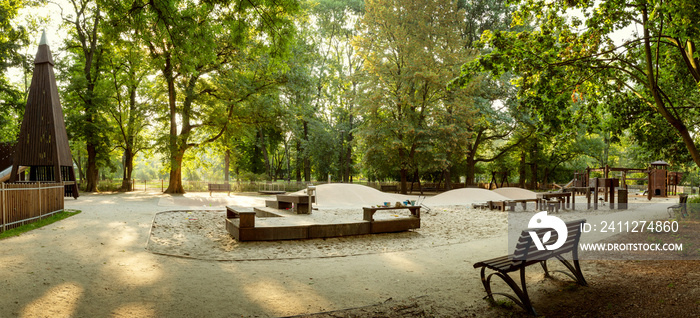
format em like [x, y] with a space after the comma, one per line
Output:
[39, 223]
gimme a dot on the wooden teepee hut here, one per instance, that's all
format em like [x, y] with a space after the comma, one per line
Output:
[43, 142]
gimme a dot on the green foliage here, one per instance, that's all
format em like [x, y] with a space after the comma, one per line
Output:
[570, 66]
[411, 50]
[12, 38]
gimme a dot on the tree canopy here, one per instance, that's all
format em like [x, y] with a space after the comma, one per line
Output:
[444, 91]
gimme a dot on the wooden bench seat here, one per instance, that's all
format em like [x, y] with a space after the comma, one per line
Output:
[219, 187]
[302, 203]
[525, 254]
[389, 188]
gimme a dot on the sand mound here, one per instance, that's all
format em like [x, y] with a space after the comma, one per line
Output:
[203, 200]
[352, 195]
[464, 196]
[516, 193]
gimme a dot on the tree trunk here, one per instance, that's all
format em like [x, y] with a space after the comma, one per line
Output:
[404, 179]
[92, 172]
[175, 184]
[227, 165]
[448, 179]
[299, 163]
[266, 157]
[176, 154]
[307, 161]
[128, 169]
[471, 166]
[522, 170]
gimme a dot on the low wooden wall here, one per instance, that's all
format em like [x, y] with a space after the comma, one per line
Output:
[22, 203]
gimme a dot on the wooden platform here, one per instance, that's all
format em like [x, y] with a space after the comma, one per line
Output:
[270, 224]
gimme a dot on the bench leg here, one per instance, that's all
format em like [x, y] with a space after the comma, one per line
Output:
[522, 300]
[544, 267]
[575, 269]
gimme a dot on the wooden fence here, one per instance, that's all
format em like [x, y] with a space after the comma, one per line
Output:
[22, 203]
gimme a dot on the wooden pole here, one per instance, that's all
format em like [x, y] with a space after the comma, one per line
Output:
[3, 204]
[38, 191]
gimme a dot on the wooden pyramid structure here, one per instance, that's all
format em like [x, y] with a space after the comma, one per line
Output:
[43, 141]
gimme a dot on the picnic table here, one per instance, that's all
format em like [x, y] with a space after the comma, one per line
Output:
[543, 198]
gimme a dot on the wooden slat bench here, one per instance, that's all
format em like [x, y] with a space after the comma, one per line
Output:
[389, 188]
[219, 187]
[526, 254]
[395, 225]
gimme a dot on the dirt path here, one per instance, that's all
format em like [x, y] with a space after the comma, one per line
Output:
[96, 264]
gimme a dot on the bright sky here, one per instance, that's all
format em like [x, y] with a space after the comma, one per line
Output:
[54, 34]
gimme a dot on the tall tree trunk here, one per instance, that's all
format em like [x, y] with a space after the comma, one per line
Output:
[176, 153]
[263, 149]
[307, 161]
[448, 178]
[299, 162]
[175, 184]
[522, 170]
[533, 167]
[404, 181]
[471, 166]
[128, 168]
[227, 165]
[92, 173]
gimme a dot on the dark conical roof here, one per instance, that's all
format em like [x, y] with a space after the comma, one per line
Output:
[43, 140]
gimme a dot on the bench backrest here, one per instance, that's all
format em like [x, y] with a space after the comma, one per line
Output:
[527, 250]
[219, 186]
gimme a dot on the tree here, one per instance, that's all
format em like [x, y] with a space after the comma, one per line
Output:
[190, 42]
[657, 65]
[85, 73]
[412, 49]
[129, 103]
[11, 40]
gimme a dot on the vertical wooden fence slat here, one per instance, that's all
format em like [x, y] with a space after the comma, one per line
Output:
[2, 205]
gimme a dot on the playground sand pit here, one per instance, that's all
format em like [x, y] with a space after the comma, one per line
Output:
[201, 234]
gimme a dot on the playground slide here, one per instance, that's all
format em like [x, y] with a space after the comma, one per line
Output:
[5, 174]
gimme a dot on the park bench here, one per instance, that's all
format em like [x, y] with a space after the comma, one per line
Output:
[394, 225]
[389, 188]
[682, 206]
[526, 254]
[219, 187]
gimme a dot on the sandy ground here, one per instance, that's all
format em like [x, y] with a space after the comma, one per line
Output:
[104, 262]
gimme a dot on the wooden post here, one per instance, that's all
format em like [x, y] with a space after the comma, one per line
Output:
[588, 197]
[595, 194]
[144, 185]
[161, 185]
[612, 194]
[38, 190]
[3, 204]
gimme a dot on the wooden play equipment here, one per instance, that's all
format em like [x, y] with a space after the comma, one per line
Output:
[494, 179]
[43, 141]
[659, 179]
